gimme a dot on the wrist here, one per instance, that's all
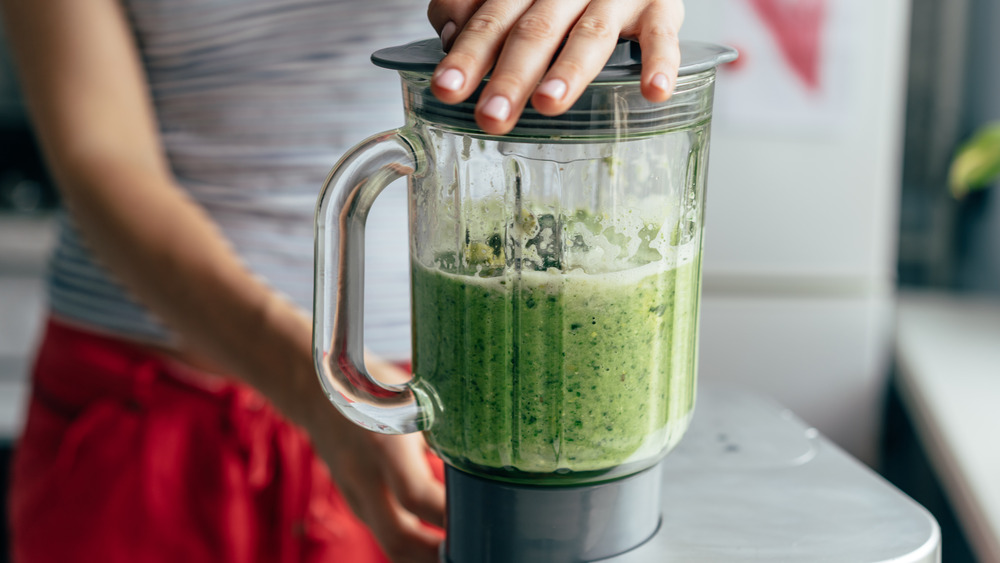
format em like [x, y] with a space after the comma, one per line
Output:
[278, 361]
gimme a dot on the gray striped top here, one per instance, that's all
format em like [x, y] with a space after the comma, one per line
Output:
[256, 100]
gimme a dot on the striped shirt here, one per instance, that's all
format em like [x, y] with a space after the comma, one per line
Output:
[256, 100]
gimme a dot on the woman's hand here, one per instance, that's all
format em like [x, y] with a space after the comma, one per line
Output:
[387, 480]
[520, 37]
[388, 483]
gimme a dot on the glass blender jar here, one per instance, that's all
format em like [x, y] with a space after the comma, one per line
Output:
[555, 282]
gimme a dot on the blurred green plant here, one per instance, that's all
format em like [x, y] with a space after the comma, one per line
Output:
[977, 162]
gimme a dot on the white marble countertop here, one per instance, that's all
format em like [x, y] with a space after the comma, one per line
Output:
[948, 349]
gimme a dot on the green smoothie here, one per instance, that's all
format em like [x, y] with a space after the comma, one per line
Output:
[550, 375]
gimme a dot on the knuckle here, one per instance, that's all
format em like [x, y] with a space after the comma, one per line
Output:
[659, 62]
[533, 27]
[460, 59]
[571, 66]
[484, 24]
[660, 31]
[592, 29]
[509, 85]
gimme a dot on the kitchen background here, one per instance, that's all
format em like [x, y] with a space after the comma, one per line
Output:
[828, 206]
[27, 199]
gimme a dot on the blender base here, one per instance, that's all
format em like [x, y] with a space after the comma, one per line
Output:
[748, 483]
[491, 521]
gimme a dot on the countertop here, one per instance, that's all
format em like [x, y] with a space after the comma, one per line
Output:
[948, 352]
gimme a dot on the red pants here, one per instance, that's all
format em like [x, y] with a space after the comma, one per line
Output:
[123, 459]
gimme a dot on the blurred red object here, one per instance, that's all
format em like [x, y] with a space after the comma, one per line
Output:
[126, 458]
[797, 27]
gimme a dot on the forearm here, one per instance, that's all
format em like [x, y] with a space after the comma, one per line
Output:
[85, 88]
[171, 256]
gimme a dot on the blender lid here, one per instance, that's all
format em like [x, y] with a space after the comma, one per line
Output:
[612, 106]
[625, 63]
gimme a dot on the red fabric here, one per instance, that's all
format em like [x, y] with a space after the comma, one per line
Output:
[123, 459]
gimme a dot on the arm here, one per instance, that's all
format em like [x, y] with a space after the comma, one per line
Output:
[520, 37]
[86, 91]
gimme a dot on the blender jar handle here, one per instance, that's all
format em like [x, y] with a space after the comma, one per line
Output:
[338, 342]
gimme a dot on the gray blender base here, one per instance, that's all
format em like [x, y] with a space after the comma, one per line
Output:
[751, 482]
[492, 522]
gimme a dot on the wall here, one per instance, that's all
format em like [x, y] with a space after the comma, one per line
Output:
[801, 217]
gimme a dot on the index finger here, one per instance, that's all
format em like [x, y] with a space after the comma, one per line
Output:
[478, 44]
[587, 49]
[526, 54]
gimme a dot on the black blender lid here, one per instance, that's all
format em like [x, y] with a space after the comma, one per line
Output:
[625, 63]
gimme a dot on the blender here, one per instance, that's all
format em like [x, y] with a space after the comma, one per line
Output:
[555, 283]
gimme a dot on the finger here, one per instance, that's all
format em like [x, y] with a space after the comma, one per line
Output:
[412, 480]
[588, 47]
[356, 460]
[400, 534]
[449, 16]
[474, 50]
[527, 52]
[661, 54]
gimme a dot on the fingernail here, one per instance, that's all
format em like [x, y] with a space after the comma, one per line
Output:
[661, 82]
[497, 107]
[451, 79]
[447, 34]
[554, 88]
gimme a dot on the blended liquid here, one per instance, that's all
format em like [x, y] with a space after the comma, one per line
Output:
[556, 373]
